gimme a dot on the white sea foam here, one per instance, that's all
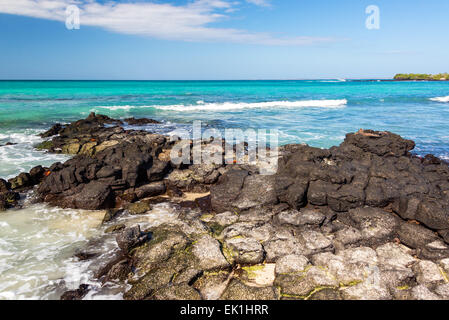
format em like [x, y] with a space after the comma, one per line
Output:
[4, 224]
[115, 108]
[38, 261]
[22, 156]
[225, 106]
[440, 99]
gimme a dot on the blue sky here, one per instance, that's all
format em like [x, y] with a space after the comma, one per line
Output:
[222, 39]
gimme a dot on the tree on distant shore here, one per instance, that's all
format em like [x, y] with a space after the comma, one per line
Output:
[421, 76]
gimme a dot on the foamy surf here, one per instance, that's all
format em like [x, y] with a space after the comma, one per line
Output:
[38, 244]
[440, 99]
[22, 156]
[262, 105]
[226, 106]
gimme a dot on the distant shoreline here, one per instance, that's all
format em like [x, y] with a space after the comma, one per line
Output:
[421, 77]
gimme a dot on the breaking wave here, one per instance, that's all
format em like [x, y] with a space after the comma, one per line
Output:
[440, 99]
[240, 105]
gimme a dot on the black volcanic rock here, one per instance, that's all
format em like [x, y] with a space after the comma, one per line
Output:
[141, 121]
[130, 238]
[54, 130]
[77, 294]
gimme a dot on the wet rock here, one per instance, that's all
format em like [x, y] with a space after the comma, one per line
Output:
[130, 238]
[83, 256]
[137, 208]
[37, 174]
[4, 186]
[163, 244]
[8, 144]
[23, 180]
[115, 228]
[140, 122]
[54, 130]
[93, 196]
[77, 294]
[8, 200]
[119, 271]
[111, 214]
[160, 276]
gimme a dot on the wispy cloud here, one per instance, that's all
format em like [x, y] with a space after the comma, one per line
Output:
[189, 22]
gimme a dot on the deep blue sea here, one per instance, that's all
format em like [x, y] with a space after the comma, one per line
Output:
[316, 112]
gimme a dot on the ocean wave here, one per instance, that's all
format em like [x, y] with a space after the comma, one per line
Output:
[333, 81]
[244, 105]
[225, 106]
[115, 108]
[22, 156]
[440, 99]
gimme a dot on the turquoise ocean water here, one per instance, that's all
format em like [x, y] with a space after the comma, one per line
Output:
[317, 112]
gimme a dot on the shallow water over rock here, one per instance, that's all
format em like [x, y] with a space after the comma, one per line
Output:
[39, 247]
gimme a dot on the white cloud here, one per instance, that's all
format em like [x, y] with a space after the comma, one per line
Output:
[189, 22]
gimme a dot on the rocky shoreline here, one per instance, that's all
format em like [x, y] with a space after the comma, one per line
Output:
[364, 220]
